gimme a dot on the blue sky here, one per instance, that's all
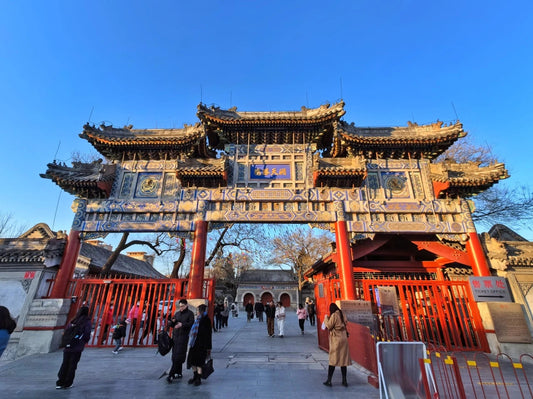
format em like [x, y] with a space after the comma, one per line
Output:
[63, 63]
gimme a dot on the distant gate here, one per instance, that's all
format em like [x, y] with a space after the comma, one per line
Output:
[110, 301]
[443, 314]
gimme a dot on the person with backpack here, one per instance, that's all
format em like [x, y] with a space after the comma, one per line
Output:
[118, 334]
[76, 335]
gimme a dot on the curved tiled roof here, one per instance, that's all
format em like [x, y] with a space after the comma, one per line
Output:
[467, 179]
[340, 172]
[39, 246]
[263, 275]
[414, 141]
[305, 115]
[127, 143]
[124, 264]
[86, 180]
[202, 172]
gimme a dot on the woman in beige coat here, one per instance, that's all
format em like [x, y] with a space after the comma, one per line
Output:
[339, 353]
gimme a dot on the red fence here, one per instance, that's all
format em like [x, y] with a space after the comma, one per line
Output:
[146, 303]
[443, 314]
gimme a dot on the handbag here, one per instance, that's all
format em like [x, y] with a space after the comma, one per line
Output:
[207, 368]
[164, 343]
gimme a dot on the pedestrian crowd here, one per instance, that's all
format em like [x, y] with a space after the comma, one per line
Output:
[192, 335]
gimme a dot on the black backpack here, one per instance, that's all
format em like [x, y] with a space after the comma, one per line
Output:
[72, 335]
[164, 343]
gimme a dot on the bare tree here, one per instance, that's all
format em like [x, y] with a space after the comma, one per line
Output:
[9, 227]
[299, 248]
[244, 237]
[160, 245]
[501, 203]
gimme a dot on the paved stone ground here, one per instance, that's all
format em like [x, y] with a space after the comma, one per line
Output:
[248, 364]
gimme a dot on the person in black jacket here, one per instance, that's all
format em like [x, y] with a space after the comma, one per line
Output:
[182, 323]
[249, 311]
[200, 344]
[270, 311]
[72, 353]
[259, 309]
[118, 334]
[218, 316]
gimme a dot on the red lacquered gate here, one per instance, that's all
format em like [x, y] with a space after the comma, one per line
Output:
[111, 300]
[443, 314]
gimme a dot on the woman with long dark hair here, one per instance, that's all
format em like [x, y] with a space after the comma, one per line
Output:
[7, 326]
[72, 351]
[339, 352]
[200, 344]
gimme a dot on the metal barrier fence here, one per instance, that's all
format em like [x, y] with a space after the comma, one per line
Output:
[478, 375]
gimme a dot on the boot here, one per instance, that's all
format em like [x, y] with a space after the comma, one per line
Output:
[191, 381]
[343, 371]
[198, 380]
[331, 369]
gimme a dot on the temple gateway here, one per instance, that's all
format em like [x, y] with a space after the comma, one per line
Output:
[394, 210]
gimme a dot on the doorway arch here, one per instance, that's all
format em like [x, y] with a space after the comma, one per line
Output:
[285, 300]
[247, 298]
[266, 297]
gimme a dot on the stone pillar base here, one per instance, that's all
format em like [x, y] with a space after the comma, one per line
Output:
[43, 328]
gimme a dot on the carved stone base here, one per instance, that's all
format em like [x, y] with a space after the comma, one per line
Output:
[42, 330]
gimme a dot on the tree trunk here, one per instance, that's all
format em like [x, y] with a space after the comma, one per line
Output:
[177, 263]
[111, 260]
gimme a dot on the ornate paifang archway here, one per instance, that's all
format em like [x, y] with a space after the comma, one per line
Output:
[306, 166]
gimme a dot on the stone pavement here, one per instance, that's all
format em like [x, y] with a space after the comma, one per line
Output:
[248, 364]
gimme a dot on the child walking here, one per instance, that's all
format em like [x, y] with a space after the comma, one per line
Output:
[118, 335]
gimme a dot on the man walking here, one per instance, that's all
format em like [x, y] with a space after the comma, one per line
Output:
[249, 311]
[182, 323]
[259, 309]
[270, 311]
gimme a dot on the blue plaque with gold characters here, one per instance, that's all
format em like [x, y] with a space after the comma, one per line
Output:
[272, 171]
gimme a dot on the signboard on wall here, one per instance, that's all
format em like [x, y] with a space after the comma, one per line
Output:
[509, 322]
[359, 312]
[272, 171]
[490, 289]
[387, 301]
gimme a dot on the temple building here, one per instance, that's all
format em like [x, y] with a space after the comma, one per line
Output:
[395, 211]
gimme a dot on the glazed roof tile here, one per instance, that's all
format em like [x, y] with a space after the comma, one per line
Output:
[263, 275]
[467, 178]
[427, 140]
[33, 247]
[83, 179]
[124, 264]
[128, 143]
[324, 112]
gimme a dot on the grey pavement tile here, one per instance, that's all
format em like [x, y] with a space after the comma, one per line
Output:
[248, 364]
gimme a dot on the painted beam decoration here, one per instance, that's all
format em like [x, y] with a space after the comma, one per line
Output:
[304, 166]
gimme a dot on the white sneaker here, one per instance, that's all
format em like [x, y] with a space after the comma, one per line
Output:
[115, 352]
[120, 348]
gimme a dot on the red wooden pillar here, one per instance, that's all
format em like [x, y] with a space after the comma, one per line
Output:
[196, 277]
[344, 260]
[67, 266]
[476, 253]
